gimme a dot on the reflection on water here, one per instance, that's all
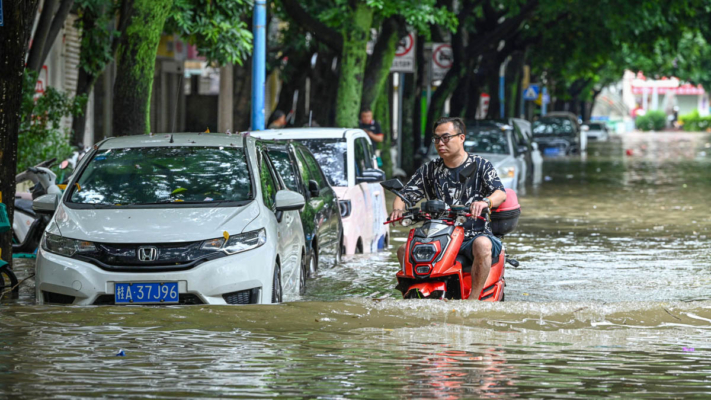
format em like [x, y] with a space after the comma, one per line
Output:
[611, 299]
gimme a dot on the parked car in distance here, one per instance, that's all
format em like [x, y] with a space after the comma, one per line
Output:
[583, 140]
[596, 130]
[321, 216]
[556, 135]
[507, 150]
[346, 158]
[175, 219]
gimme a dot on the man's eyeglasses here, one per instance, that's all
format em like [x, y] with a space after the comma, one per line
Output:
[444, 138]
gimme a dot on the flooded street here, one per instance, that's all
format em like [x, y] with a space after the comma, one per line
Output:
[612, 298]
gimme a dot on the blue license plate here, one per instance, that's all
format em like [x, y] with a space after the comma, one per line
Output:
[551, 151]
[146, 293]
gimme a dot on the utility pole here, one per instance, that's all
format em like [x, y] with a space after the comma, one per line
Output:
[259, 60]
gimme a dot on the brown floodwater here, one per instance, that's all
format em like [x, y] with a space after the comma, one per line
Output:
[612, 299]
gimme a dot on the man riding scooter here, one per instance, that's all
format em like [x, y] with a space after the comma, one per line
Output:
[439, 179]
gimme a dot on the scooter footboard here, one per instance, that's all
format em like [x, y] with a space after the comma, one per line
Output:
[426, 290]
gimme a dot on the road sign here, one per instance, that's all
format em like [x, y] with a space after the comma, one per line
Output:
[442, 59]
[531, 93]
[404, 60]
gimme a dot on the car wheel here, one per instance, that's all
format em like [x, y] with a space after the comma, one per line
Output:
[276, 285]
[8, 280]
[339, 251]
[313, 263]
[302, 276]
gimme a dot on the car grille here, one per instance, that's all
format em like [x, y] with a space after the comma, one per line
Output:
[170, 256]
[57, 298]
[250, 296]
[183, 298]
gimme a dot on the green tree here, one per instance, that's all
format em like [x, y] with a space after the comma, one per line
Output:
[214, 26]
[14, 38]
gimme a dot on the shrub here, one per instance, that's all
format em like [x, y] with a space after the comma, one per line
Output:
[41, 135]
[693, 122]
[652, 121]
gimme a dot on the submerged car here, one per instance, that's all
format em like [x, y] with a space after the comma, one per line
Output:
[175, 219]
[557, 135]
[321, 216]
[346, 158]
[597, 131]
[506, 148]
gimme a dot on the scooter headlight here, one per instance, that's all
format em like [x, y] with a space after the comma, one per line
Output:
[406, 222]
[424, 252]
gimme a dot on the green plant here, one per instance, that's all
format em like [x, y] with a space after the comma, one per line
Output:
[693, 122]
[651, 121]
[41, 135]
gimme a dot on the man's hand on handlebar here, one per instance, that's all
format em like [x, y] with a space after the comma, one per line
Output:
[478, 207]
[396, 214]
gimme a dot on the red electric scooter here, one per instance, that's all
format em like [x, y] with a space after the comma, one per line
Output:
[433, 267]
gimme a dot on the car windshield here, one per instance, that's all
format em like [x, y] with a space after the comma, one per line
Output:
[157, 175]
[553, 127]
[490, 139]
[331, 155]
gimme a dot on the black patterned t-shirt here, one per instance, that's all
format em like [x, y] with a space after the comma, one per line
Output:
[435, 181]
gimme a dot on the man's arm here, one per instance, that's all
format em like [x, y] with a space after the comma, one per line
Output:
[493, 186]
[376, 137]
[413, 191]
[498, 197]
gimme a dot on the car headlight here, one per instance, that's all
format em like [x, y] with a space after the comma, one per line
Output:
[237, 243]
[507, 172]
[66, 247]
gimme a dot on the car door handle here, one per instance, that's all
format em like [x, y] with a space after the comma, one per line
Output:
[376, 194]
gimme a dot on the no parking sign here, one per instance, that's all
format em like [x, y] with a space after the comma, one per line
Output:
[404, 60]
[442, 60]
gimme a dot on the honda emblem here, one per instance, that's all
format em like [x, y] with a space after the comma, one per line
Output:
[147, 254]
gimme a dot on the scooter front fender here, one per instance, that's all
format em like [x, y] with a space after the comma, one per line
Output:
[425, 288]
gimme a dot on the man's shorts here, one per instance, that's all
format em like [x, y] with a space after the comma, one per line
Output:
[466, 248]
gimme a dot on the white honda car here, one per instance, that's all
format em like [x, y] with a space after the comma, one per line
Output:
[172, 219]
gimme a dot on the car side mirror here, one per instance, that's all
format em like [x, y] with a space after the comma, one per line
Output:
[371, 175]
[392, 184]
[46, 204]
[286, 200]
[314, 190]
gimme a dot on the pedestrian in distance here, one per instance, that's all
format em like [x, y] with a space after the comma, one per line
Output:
[439, 180]
[370, 126]
[277, 120]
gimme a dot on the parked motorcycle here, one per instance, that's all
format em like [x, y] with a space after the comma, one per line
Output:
[28, 226]
[433, 267]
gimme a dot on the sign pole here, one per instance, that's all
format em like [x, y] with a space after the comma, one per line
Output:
[259, 60]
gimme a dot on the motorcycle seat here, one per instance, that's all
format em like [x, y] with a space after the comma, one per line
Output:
[25, 206]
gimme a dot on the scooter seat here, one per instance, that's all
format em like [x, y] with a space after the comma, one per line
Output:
[25, 206]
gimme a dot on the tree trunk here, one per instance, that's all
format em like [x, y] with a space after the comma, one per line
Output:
[14, 37]
[419, 78]
[298, 70]
[242, 84]
[34, 59]
[382, 115]
[378, 68]
[350, 83]
[324, 88]
[135, 66]
[57, 24]
[411, 110]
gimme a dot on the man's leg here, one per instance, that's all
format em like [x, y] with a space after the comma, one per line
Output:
[481, 249]
[401, 254]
